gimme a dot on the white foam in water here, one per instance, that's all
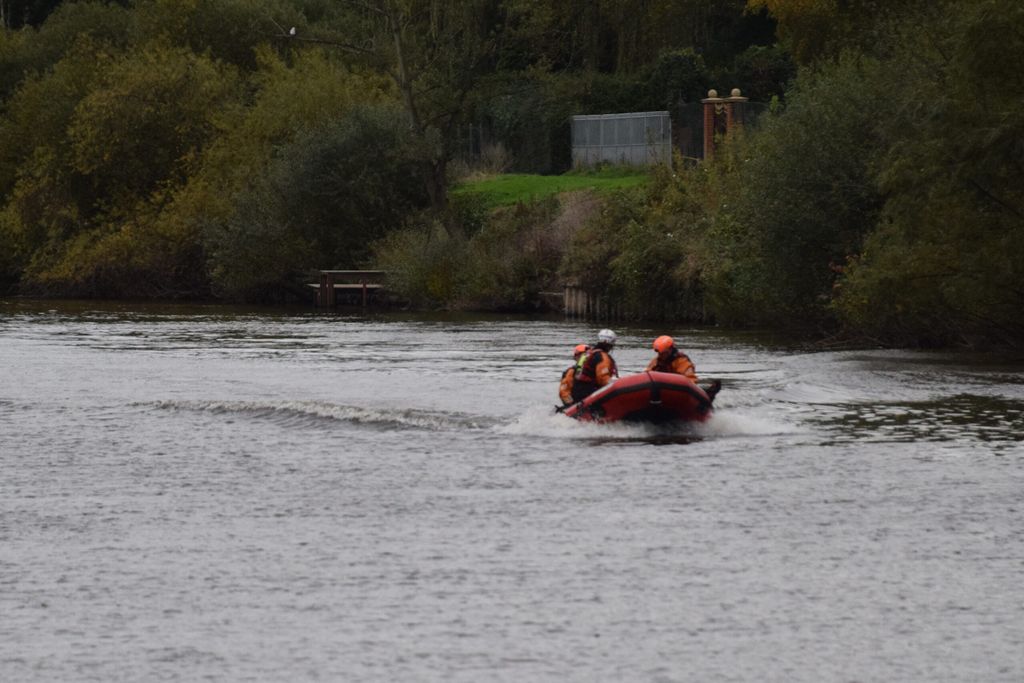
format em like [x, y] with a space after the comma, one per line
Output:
[544, 422]
[745, 423]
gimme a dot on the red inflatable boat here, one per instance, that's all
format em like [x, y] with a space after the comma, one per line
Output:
[655, 397]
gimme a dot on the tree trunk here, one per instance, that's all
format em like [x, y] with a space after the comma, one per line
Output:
[437, 183]
[434, 170]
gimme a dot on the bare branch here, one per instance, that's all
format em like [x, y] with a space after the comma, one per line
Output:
[995, 199]
[376, 9]
[368, 49]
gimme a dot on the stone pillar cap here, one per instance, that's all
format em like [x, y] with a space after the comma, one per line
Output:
[712, 96]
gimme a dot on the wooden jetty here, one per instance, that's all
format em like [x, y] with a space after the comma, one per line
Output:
[350, 286]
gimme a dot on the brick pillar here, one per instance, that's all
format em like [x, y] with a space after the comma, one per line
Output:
[711, 105]
[734, 111]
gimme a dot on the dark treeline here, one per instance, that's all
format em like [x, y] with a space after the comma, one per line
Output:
[223, 148]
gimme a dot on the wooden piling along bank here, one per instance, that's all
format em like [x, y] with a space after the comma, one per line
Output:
[359, 287]
[579, 303]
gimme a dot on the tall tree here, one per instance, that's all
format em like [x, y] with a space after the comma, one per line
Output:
[623, 36]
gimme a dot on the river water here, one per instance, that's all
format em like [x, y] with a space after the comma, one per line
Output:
[222, 494]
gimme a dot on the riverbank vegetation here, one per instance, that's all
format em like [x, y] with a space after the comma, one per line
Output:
[522, 188]
[225, 148]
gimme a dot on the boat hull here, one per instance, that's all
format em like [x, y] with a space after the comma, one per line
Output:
[654, 397]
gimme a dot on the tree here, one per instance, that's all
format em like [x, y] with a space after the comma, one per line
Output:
[40, 191]
[945, 264]
[147, 123]
[226, 30]
[16, 14]
[816, 29]
[763, 72]
[327, 196]
[104, 27]
[84, 203]
[435, 51]
[625, 36]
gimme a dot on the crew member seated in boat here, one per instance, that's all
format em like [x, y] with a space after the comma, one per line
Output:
[569, 376]
[671, 359]
[595, 368]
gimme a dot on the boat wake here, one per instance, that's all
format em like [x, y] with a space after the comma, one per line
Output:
[536, 422]
[318, 414]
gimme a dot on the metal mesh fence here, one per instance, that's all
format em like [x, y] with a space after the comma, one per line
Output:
[633, 139]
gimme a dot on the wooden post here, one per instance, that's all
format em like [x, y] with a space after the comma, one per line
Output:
[325, 296]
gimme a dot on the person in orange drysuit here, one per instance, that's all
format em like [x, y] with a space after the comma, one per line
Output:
[569, 376]
[596, 368]
[671, 359]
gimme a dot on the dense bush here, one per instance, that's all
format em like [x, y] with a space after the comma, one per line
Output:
[425, 264]
[798, 198]
[644, 249]
[508, 265]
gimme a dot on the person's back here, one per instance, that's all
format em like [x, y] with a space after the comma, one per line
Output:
[597, 367]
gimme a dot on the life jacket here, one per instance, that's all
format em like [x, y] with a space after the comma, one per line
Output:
[565, 386]
[677, 362]
[590, 367]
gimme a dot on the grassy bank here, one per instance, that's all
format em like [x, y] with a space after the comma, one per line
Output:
[515, 188]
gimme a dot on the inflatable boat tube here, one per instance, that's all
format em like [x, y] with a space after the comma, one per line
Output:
[656, 397]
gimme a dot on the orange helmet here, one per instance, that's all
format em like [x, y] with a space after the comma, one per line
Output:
[580, 348]
[663, 343]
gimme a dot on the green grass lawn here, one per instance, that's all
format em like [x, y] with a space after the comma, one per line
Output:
[510, 188]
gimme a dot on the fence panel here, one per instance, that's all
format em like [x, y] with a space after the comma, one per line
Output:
[631, 139]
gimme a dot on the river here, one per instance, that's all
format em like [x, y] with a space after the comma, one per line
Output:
[207, 493]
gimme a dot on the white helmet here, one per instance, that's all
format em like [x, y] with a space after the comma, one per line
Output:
[606, 336]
